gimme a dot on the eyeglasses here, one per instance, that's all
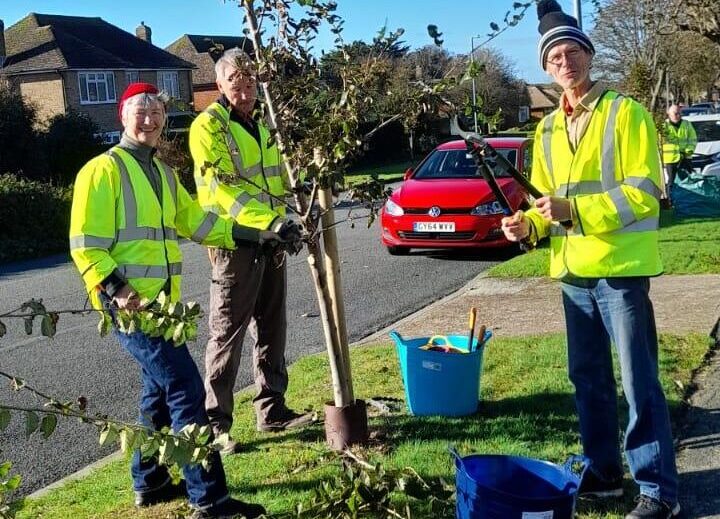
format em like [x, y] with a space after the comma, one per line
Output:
[571, 55]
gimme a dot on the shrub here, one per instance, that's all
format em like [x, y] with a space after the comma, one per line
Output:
[68, 144]
[18, 151]
[174, 151]
[35, 218]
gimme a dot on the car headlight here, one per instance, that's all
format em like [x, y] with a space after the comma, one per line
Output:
[487, 209]
[393, 209]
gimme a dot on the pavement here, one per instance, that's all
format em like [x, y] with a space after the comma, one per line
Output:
[531, 306]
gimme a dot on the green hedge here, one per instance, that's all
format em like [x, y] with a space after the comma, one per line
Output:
[35, 218]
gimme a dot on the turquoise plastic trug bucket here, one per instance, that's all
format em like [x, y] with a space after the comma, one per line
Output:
[438, 383]
[512, 487]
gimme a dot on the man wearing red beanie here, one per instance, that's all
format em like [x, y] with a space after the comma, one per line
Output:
[129, 210]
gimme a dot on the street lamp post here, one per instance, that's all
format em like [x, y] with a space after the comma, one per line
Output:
[474, 92]
[578, 13]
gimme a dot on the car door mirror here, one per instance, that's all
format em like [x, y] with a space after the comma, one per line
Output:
[408, 173]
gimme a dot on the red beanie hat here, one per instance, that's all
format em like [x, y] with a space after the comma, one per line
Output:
[134, 89]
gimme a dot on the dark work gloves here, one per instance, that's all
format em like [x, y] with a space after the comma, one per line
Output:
[291, 234]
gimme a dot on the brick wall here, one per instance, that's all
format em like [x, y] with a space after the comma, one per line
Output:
[204, 97]
[105, 115]
[44, 92]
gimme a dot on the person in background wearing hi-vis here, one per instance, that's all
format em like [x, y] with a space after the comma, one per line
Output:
[128, 212]
[597, 161]
[238, 172]
[678, 142]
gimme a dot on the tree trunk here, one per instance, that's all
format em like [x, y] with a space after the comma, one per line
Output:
[343, 394]
[334, 280]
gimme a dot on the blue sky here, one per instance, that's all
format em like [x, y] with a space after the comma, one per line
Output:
[458, 21]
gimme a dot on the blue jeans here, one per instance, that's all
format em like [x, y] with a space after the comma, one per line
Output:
[172, 395]
[598, 311]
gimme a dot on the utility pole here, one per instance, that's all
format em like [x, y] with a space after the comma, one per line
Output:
[474, 94]
[578, 13]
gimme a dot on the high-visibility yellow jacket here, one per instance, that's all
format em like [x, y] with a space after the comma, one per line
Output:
[231, 169]
[678, 141]
[613, 181]
[118, 223]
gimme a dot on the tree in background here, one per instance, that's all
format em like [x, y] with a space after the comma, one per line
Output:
[631, 38]
[69, 141]
[498, 88]
[693, 65]
[18, 152]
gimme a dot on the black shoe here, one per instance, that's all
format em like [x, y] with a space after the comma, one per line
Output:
[167, 492]
[228, 509]
[649, 508]
[288, 420]
[592, 486]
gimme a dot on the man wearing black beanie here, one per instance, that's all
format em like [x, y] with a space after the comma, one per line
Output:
[596, 159]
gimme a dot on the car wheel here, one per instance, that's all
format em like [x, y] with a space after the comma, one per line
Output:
[398, 251]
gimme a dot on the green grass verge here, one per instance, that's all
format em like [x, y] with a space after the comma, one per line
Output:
[687, 246]
[527, 409]
[385, 174]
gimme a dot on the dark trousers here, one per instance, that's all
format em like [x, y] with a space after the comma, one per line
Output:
[172, 395]
[248, 290]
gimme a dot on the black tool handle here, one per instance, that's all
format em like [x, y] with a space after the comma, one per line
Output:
[506, 166]
[525, 244]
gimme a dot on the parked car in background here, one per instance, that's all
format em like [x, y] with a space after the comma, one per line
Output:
[444, 203]
[706, 159]
[710, 108]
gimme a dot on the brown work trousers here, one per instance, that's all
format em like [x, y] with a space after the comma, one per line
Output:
[248, 289]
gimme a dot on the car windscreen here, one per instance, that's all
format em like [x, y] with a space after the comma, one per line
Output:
[707, 130]
[459, 164]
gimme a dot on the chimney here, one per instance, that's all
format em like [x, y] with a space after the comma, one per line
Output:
[2, 43]
[144, 32]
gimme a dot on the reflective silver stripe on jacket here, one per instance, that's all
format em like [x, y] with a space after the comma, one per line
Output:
[86, 241]
[151, 271]
[608, 183]
[594, 187]
[607, 161]
[170, 179]
[651, 223]
[644, 184]
[146, 233]
[131, 231]
[204, 228]
[245, 173]
[129, 202]
[547, 132]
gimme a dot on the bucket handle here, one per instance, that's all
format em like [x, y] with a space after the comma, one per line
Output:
[395, 335]
[571, 464]
[454, 453]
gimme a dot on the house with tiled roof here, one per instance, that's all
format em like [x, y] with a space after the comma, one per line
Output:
[62, 63]
[203, 50]
[544, 98]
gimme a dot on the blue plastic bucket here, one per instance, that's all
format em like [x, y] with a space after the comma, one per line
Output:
[512, 487]
[438, 383]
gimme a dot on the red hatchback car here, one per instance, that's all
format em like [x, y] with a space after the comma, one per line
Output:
[444, 203]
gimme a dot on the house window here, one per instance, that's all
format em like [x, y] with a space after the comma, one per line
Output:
[96, 87]
[132, 76]
[168, 82]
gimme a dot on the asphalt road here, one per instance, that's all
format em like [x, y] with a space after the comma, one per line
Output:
[379, 289]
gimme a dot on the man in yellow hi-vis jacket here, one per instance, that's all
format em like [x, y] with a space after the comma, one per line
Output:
[238, 173]
[596, 159]
[679, 141]
[128, 211]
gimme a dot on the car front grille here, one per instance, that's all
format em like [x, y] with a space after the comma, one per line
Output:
[443, 236]
[446, 210]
